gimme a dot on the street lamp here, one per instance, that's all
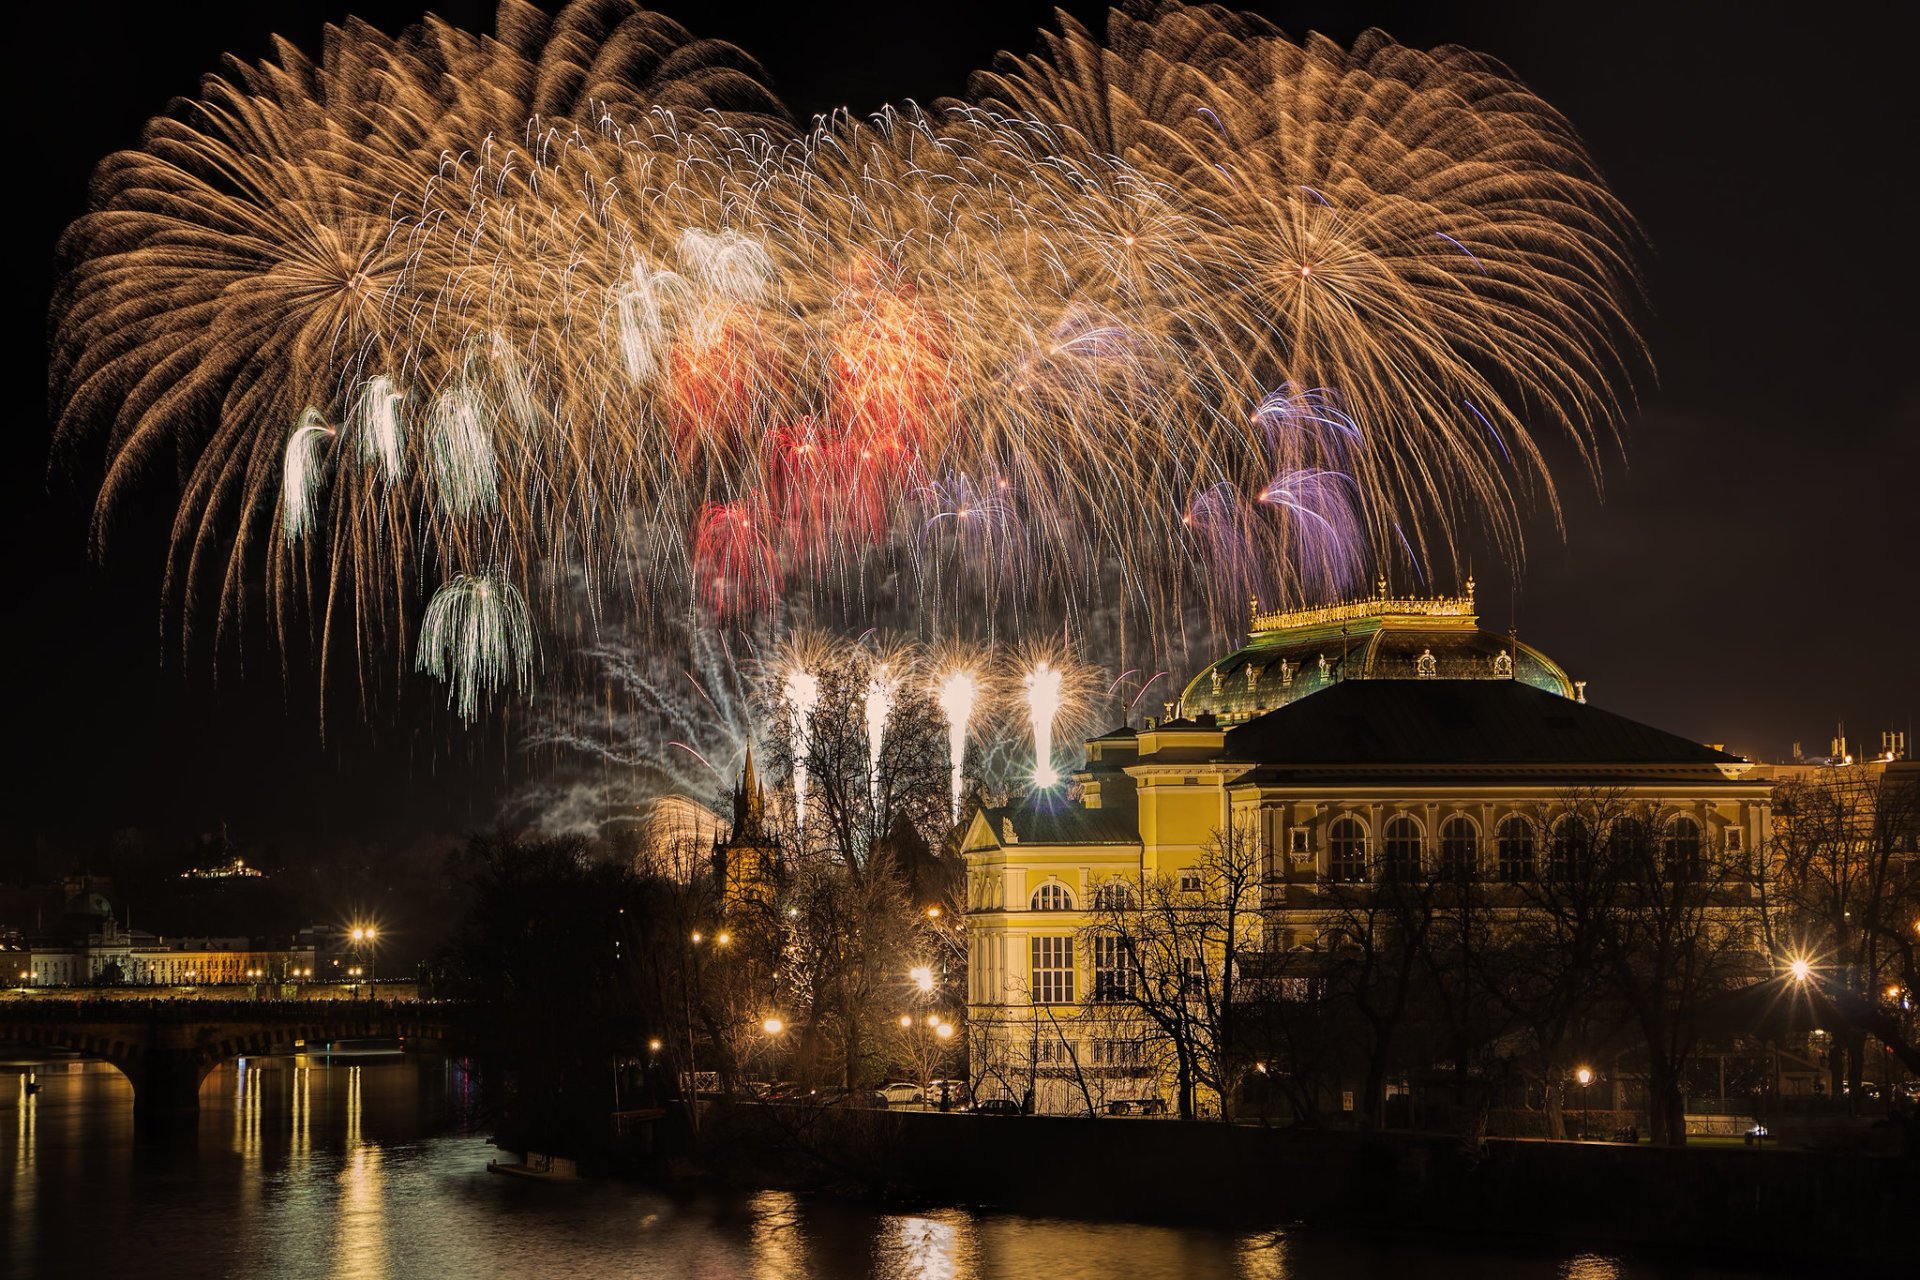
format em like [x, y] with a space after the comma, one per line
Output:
[1800, 968]
[1585, 1076]
[773, 1026]
[922, 976]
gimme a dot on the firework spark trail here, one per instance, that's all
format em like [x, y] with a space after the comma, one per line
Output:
[882, 686]
[957, 692]
[1042, 685]
[1191, 313]
[801, 691]
[476, 636]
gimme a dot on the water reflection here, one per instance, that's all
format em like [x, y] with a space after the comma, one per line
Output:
[317, 1167]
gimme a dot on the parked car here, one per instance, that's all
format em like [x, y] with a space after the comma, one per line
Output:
[1137, 1107]
[950, 1095]
[901, 1092]
[996, 1107]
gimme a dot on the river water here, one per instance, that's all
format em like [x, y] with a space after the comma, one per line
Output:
[361, 1167]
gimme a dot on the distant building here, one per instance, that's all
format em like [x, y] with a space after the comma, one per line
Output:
[87, 946]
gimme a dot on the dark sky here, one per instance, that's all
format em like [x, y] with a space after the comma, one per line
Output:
[1750, 576]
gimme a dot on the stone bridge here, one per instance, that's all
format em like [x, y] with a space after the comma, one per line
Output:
[167, 1047]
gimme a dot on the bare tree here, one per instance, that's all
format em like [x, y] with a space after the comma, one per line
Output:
[1173, 947]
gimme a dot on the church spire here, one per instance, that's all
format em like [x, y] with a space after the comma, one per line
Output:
[749, 802]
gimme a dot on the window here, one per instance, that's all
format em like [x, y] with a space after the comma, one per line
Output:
[1400, 850]
[1115, 1053]
[1682, 851]
[1300, 842]
[1514, 849]
[1114, 895]
[1051, 896]
[1736, 839]
[1572, 846]
[1189, 881]
[1630, 848]
[1459, 848]
[1052, 970]
[1112, 969]
[1052, 1051]
[1346, 851]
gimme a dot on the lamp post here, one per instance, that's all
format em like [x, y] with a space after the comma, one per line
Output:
[1585, 1076]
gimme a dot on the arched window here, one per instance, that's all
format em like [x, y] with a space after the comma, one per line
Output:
[1114, 895]
[1346, 850]
[1572, 847]
[1515, 849]
[1630, 847]
[1459, 848]
[1681, 854]
[1400, 849]
[1051, 896]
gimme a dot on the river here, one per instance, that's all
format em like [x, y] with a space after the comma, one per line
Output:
[357, 1168]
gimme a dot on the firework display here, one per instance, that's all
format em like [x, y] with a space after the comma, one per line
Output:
[1155, 323]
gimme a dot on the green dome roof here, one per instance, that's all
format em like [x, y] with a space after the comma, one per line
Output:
[1293, 653]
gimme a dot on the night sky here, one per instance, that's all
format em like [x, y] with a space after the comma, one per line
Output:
[1750, 576]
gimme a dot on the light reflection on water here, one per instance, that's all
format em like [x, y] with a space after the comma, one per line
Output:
[353, 1169]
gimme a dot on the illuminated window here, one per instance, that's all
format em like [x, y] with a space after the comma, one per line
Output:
[1346, 850]
[1514, 849]
[1400, 850]
[1459, 848]
[1051, 896]
[1052, 970]
[1114, 895]
[1112, 973]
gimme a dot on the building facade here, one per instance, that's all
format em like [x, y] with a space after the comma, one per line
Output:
[1341, 747]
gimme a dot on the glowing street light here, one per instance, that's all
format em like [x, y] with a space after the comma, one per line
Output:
[1585, 1076]
[1800, 969]
[773, 1026]
[922, 977]
[906, 1020]
[654, 1045]
[944, 1031]
[722, 939]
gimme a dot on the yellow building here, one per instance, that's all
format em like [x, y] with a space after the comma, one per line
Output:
[1383, 736]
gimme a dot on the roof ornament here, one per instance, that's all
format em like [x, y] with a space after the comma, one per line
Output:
[1579, 690]
[1503, 665]
[1215, 673]
[1324, 674]
[1380, 584]
[1253, 678]
[1167, 707]
[1286, 674]
[1426, 666]
[1007, 834]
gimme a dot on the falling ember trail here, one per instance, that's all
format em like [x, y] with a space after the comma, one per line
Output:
[1043, 703]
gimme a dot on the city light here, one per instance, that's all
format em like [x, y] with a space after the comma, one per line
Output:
[696, 937]
[1584, 1075]
[906, 1020]
[944, 1031]
[922, 978]
[1800, 969]
[653, 1046]
[773, 1026]
[722, 939]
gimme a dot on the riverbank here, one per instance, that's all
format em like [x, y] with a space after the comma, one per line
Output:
[1782, 1208]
